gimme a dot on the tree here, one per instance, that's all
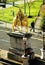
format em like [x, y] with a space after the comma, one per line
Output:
[42, 10]
[24, 6]
[43, 17]
[43, 24]
[13, 2]
[43, 2]
[30, 3]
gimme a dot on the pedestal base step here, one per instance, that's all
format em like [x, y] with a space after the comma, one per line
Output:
[7, 62]
[15, 57]
[16, 50]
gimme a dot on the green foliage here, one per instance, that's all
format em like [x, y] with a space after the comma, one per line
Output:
[7, 16]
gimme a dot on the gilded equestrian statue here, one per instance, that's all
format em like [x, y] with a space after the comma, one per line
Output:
[20, 22]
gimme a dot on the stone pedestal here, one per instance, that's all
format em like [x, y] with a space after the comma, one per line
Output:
[17, 48]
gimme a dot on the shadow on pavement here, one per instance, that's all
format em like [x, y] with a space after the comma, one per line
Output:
[37, 61]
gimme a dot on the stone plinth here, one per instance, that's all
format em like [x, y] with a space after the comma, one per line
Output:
[17, 48]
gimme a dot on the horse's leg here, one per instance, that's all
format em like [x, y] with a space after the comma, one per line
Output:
[13, 25]
[12, 28]
[19, 26]
[26, 28]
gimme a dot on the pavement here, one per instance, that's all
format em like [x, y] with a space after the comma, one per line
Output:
[5, 25]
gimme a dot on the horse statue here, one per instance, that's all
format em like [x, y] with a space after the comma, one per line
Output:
[20, 22]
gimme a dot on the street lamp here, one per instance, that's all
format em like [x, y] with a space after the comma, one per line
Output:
[29, 1]
[24, 6]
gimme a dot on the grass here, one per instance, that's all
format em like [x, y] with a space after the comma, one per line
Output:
[11, 0]
[6, 14]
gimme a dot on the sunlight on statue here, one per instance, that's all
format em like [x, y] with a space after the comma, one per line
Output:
[20, 22]
[25, 24]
